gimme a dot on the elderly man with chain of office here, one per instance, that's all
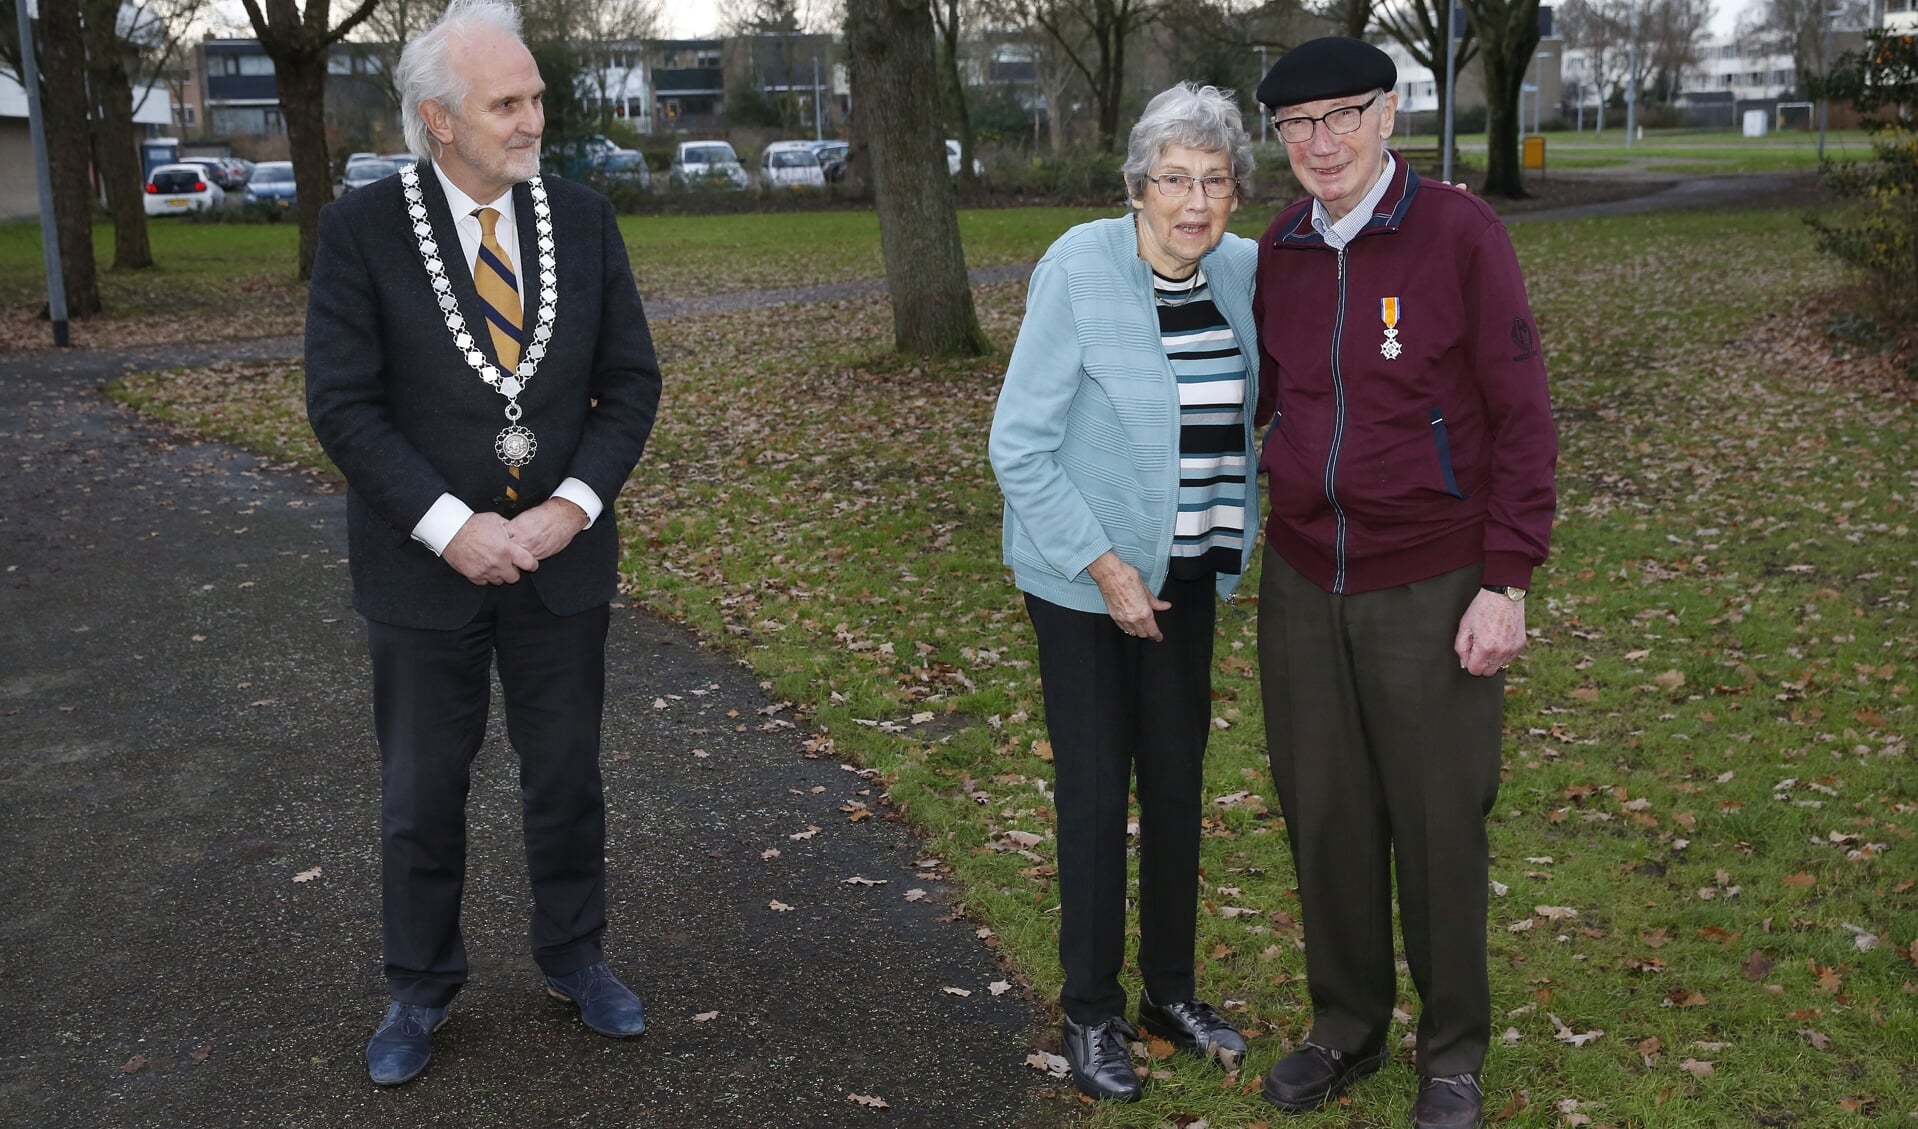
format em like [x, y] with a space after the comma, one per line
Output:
[1411, 463]
[479, 368]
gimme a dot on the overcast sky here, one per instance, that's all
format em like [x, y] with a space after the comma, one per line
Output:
[691, 19]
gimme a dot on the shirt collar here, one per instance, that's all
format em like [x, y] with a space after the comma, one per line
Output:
[1348, 227]
[462, 205]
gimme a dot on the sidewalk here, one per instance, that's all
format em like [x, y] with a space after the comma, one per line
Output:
[188, 818]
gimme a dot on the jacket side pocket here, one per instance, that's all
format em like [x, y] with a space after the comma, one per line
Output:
[1444, 445]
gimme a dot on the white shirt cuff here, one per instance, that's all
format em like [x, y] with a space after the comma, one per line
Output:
[581, 495]
[441, 522]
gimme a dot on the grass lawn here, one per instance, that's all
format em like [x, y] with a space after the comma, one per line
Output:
[1705, 910]
[1684, 150]
[238, 280]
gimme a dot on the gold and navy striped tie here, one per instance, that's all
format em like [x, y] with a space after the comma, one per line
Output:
[499, 295]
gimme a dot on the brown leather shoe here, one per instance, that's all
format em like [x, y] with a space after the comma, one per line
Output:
[1450, 1102]
[1313, 1075]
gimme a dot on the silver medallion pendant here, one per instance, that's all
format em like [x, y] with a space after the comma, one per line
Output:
[1391, 348]
[515, 446]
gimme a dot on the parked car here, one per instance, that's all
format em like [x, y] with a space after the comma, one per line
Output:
[355, 158]
[173, 189]
[272, 185]
[706, 164]
[217, 170]
[832, 158]
[790, 164]
[952, 161]
[359, 174]
[402, 160]
[621, 166]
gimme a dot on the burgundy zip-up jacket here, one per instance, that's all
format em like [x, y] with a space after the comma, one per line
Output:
[1388, 470]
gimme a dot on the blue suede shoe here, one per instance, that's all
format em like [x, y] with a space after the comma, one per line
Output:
[605, 1005]
[403, 1043]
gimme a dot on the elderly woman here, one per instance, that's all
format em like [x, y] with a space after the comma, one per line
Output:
[1120, 442]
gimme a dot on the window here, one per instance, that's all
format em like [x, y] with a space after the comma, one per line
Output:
[254, 65]
[339, 64]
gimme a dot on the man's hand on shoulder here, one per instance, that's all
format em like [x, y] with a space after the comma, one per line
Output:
[484, 551]
[548, 527]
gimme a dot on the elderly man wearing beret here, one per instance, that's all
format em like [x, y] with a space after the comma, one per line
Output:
[1410, 463]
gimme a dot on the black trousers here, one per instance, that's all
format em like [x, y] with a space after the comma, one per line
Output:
[1115, 705]
[1386, 757]
[431, 694]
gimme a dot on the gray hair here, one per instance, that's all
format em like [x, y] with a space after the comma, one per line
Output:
[1202, 117]
[426, 72]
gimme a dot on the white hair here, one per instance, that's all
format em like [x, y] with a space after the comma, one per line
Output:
[1200, 117]
[426, 72]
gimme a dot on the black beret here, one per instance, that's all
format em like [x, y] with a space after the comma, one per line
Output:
[1332, 67]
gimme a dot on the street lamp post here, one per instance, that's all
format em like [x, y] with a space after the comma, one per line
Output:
[1262, 116]
[1451, 84]
[1538, 90]
[1824, 98]
[1631, 82]
[37, 132]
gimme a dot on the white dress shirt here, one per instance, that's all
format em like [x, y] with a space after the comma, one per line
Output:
[449, 514]
[1337, 235]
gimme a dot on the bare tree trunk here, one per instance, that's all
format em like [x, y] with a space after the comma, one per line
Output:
[890, 43]
[297, 43]
[1503, 174]
[303, 100]
[1354, 17]
[1111, 89]
[1420, 27]
[1507, 32]
[63, 81]
[113, 143]
[947, 14]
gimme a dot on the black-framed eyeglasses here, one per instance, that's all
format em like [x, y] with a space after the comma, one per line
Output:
[1345, 119]
[1176, 185]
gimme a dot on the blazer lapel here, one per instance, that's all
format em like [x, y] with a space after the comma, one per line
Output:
[528, 264]
[453, 256]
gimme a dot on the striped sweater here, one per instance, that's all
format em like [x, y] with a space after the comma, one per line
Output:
[1085, 439]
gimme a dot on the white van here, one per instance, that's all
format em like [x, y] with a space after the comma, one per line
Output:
[790, 164]
[706, 164]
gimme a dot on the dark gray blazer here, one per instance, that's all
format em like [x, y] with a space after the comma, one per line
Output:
[404, 417]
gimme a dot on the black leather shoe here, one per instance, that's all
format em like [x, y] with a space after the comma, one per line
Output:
[1450, 1102]
[605, 1005]
[403, 1044]
[1192, 1025]
[1101, 1060]
[1313, 1075]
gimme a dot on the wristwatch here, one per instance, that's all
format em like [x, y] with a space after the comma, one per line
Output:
[1516, 595]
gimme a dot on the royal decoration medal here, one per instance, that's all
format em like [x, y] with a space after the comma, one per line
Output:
[515, 444]
[1389, 314]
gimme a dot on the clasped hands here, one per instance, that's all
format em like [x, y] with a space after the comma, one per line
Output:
[489, 549]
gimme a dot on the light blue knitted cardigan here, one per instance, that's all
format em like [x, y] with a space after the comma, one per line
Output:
[1085, 440]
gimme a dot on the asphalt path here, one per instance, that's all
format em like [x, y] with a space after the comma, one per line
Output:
[188, 823]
